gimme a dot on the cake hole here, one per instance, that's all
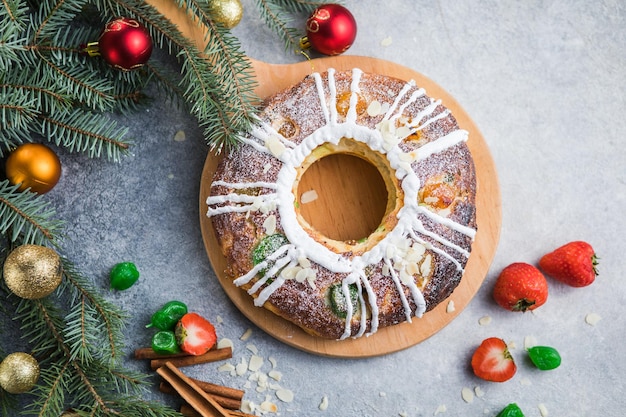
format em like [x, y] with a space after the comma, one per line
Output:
[351, 197]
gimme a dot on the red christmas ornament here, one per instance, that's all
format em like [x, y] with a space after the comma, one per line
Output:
[124, 44]
[331, 29]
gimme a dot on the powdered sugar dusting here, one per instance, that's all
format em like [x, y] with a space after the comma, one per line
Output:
[390, 124]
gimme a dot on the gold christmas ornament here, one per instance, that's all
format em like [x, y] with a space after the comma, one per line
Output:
[33, 165]
[226, 12]
[19, 373]
[32, 271]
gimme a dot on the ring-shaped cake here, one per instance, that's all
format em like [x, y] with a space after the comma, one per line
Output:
[333, 288]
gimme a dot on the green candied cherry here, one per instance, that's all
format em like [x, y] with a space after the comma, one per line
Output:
[544, 357]
[266, 247]
[511, 410]
[167, 316]
[123, 276]
[338, 300]
[164, 342]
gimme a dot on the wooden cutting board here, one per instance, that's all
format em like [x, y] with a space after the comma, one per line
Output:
[273, 78]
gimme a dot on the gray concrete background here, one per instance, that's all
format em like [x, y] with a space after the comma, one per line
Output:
[544, 82]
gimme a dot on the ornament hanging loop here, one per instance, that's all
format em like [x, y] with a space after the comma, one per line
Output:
[92, 49]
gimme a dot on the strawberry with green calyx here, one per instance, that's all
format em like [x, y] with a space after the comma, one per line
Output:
[520, 287]
[195, 334]
[573, 264]
[492, 361]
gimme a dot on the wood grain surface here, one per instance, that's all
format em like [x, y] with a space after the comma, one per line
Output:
[273, 78]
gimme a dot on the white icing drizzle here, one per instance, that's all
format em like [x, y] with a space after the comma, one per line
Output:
[396, 280]
[332, 88]
[320, 92]
[266, 131]
[414, 96]
[405, 89]
[244, 185]
[441, 144]
[302, 245]
[354, 97]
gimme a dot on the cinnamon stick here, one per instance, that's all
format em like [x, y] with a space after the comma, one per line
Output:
[221, 390]
[188, 411]
[226, 402]
[199, 400]
[149, 353]
[211, 356]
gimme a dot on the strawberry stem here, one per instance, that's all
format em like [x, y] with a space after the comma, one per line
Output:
[523, 305]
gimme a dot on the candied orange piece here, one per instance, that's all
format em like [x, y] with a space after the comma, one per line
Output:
[287, 129]
[343, 103]
[438, 195]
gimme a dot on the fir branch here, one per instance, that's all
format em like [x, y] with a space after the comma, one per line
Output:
[13, 15]
[82, 131]
[302, 6]
[217, 82]
[277, 18]
[95, 382]
[89, 307]
[26, 216]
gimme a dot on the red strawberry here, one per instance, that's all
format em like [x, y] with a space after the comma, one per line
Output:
[492, 361]
[573, 263]
[520, 287]
[195, 334]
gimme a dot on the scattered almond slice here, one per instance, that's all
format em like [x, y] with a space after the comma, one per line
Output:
[543, 410]
[270, 224]
[224, 343]
[274, 387]
[525, 381]
[246, 335]
[269, 407]
[248, 406]
[479, 392]
[227, 367]
[324, 404]
[530, 341]
[308, 196]
[256, 362]
[484, 321]
[180, 136]
[387, 41]
[450, 308]
[285, 395]
[252, 348]
[467, 394]
[275, 375]
[592, 319]
[241, 367]
[374, 109]
[272, 360]
[441, 409]
[275, 146]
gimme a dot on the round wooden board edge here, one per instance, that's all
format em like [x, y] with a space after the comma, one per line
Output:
[399, 337]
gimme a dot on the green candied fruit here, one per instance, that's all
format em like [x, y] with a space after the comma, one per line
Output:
[511, 410]
[267, 246]
[338, 300]
[123, 276]
[544, 357]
